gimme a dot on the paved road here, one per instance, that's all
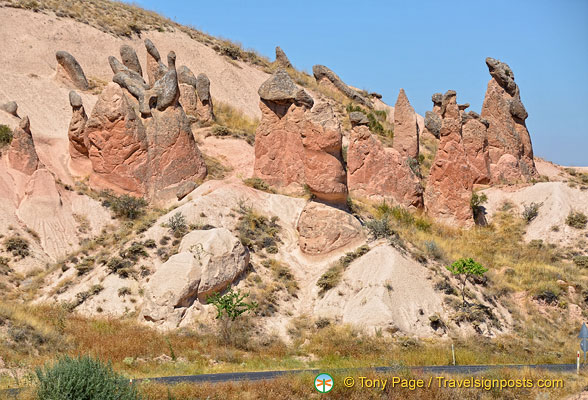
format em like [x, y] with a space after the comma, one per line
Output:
[267, 375]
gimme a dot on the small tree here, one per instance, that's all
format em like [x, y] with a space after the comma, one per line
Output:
[229, 307]
[476, 203]
[177, 224]
[464, 269]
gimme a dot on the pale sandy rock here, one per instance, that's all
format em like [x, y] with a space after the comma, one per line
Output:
[221, 256]
[323, 229]
[507, 132]
[406, 131]
[450, 183]
[22, 154]
[70, 71]
[384, 289]
[379, 173]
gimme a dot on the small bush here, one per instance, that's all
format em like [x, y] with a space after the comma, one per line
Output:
[577, 220]
[581, 261]
[119, 266]
[177, 224]
[230, 51]
[258, 232]
[134, 252]
[531, 211]
[83, 378]
[18, 246]
[379, 228]
[125, 206]
[259, 184]
[333, 275]
[5, 135]
[221, 130]
[433, 250]
[124, 291]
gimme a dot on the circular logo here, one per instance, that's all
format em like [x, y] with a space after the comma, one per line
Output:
[323, 383]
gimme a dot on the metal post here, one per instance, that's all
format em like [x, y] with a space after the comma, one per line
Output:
[578, 363]
[453, 353]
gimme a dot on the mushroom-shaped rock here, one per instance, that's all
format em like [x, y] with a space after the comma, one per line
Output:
[78, 140]
[507, 131]
[70, 71]
[130, 59]
[204, 107]
[280, 88]
[117, 67]
[325, 76]
[406, 130]
[22, 155]
[282, 59]
[11, 108]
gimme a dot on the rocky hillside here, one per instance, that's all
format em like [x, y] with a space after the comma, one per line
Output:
[146, 170]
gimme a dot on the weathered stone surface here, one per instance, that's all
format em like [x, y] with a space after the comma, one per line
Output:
[450, 183]
[475, 143]
[69, 70]
[118, 144]
[188, 99]
[118, 67]
[507, 132]
[135, 88]
[295, 146]
[11, 108]
[78, 140]
[165, 92]
[130, 59]
[433, 123]
[185, 75]
[205, 110]
[406, 131]
[175, 162]
[281, 58]
[322, 73]
[323, 229]
[358, 118]
[155, 68]
[221, 256]
[380, 173]
[22, 155]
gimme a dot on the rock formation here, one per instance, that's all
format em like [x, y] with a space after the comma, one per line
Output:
[296, 146]
[11, 108]
[22, 155]
[324, 76]
[475, 143]
[118, 144]
[204, 106]
[208, 261]
[450, 182]
[78, 139]
[195, 94]
[379, 173]
[323, 229]
[130, 59]
[406, 130]
[153, 154]
[281, 59]
[432, 123]
[70, 71]
[155, 68]
[508, 138]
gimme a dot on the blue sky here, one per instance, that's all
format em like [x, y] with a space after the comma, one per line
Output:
[427, 47]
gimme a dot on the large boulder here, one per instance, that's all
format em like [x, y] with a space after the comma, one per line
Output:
[324, 76]
[507, 131]
[450, 182]
[78, 139]
[70, 71]
[406, 130]
[11, 108]
[22, 154]
[295, 146]
[118, 144]
[379, 173]
[221, 256]
[323, 229]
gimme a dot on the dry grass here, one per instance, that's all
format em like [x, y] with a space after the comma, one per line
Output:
[232, 122]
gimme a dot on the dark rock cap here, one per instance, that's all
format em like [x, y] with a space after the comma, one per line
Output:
[503, 75]
[74, 99]
[280, 88]
[358, 118]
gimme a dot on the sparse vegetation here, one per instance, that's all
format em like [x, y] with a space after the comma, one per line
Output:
[333, 275]
[232, 122]
[259, 184]
[18, 246]
[82, 378]
[177, 225]
[581, 261]
[282, 273]
[577, 219]
[215, 168]
[377, 124]
[229, 307]
[124, 206]
[465, 269]
[477, 203]
[531, 211]
[5, 135]
[258, 232]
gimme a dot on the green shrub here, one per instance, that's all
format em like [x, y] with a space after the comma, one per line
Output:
[119, 266]
[581, 261]
[333, 275]
[5, 135]
[230, 51]
[379, 228]
[82, 378]
[258, 232]
[476, 203]
[177, 224]
[531, 211]
[18, 246]
[124, 206]
[221, 130]
[577, 220]
[134, 252]
[466, 269]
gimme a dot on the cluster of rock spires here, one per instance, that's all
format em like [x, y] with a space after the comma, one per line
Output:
[298, 144]
[138, 138]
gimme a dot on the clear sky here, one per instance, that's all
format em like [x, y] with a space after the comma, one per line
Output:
[427, 47]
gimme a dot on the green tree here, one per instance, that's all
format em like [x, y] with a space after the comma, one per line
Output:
[229, 307]
[464, 269]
